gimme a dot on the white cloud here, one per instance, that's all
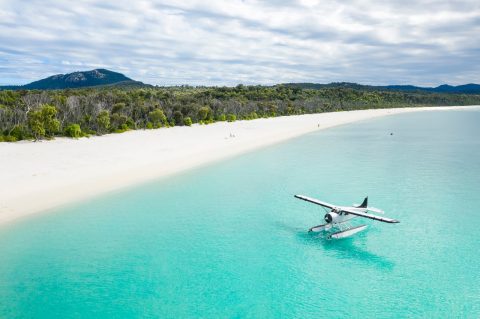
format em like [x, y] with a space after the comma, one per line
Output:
[252, 41]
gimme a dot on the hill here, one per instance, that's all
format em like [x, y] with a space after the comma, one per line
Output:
[81, 79]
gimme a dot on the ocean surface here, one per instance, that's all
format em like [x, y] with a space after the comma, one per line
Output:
[229, 240]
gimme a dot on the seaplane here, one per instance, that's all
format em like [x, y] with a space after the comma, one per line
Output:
[338, 218]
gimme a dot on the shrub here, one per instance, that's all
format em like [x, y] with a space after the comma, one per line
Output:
[187, 121]
[204, 113]
[208, 121]
[50, 122]
[117, 121]
[90, 132]
[157, 117]
[121, 129]
[222, 117]
[131, 124]
[73, 130]
[18, 132]
[118, 107]
[231, 117]
[9, 138]
[272, 109]
[178, 118]
[149, 126]
[103, 121]
[35, 124]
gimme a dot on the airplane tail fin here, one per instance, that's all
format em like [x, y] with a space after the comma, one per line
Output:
[364, 204]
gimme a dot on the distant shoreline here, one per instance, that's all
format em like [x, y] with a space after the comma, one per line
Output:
[40, 176]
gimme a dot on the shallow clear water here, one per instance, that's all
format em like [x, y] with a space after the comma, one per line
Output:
[230, 241]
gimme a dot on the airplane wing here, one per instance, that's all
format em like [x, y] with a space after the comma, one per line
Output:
[371, 216]
[315, 201]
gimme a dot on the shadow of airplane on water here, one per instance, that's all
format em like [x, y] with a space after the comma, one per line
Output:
[340, 248]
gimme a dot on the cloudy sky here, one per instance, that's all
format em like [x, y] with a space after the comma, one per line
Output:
[220, 42]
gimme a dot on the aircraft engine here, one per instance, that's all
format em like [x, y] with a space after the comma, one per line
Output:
[332, 217]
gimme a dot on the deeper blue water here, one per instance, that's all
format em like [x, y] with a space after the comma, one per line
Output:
[229, 240]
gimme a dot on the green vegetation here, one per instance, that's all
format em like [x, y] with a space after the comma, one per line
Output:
[39, 114]
[103, 121]
[157, 118]
[187, 121]
[43, 122]
[73, 130]
[231, 117]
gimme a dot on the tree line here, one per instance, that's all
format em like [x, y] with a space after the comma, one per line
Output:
[44, 114]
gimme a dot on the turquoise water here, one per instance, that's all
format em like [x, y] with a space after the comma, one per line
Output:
[230, 241]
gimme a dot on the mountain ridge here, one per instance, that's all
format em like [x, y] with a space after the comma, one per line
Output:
[77, 79]
[105, 78]
[470, 88]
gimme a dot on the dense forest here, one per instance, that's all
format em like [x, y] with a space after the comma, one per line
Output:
[40, 114]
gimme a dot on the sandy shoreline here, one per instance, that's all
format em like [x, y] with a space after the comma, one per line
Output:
[36, 177]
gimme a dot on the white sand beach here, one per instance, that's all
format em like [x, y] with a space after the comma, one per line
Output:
[39, 176]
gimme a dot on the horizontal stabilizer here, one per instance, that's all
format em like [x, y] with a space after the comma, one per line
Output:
[375, 210]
